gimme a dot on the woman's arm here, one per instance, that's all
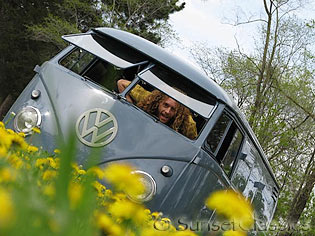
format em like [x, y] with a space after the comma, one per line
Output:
[136, 94]
[122, 84]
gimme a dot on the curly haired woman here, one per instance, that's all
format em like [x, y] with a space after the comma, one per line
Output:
[166, 109]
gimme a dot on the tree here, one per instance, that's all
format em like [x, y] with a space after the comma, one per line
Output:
[18, 54]
[31, 31]
[19, 45]
[70, 16]
[274, 86]
[146, 18]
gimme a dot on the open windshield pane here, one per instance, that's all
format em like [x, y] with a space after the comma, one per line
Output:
[181, 93]
[106, 48]
[87, 42]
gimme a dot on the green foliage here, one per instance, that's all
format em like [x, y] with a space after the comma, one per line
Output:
[142, 17]
[31, 30]
[19, 55]
[70, 16]
[40, 195]
[276, 93]
[51, 30]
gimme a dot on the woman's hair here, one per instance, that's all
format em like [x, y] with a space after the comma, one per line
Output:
[151, 104]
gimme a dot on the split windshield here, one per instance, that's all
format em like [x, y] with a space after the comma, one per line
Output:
[104, 61]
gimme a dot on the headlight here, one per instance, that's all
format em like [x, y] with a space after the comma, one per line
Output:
[150, 187]
[28, 118]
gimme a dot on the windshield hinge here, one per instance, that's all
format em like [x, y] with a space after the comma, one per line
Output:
[37, 68]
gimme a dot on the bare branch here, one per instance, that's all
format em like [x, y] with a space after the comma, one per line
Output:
[246, 22]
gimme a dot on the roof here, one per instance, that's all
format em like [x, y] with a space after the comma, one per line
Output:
[169, 60]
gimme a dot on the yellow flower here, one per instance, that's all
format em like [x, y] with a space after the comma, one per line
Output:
[1, 124]
[122, 209]
[54, 163]
[49, 190]
[233, 206]
[98, 172]
[105, 223]
[122, 178]
[125, 209]
[7, 209]
[100, 188]
[10, 131]
[75, 166]
[57, 151]
[234, 233]
[15, 161]
[3, 151]
[7, 175]
[49, 174]
[40, 162]
[16, 139]
[108, 193]
[75, 191]
[32, 148]
[6, 139]
[22, 134]
[156, 215]
[78, 169]
[147, 211]
[36, 130]
[162, 225]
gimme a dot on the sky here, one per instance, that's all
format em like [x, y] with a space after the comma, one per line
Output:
[206, 21]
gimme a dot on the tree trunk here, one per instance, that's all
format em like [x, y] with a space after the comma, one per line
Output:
[300, 200]
[5, 105]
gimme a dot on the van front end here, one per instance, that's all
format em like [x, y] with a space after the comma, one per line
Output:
[114, 91]
[60, 102]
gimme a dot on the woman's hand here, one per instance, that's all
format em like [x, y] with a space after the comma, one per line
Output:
[122, 84]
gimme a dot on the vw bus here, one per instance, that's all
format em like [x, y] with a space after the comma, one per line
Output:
[77, 89]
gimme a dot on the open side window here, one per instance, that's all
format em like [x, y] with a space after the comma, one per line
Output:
[224, 141]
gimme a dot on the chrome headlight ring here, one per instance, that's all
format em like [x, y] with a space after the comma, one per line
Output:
[150, 187]
[26, 119]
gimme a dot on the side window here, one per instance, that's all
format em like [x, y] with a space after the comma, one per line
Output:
[77, 60]
[217, 132]
[232, 151]
[243, 169]
[224, 142]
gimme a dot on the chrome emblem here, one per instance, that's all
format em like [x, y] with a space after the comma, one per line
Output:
[96, 127]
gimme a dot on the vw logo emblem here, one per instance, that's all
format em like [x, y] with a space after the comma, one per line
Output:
[96, 127]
